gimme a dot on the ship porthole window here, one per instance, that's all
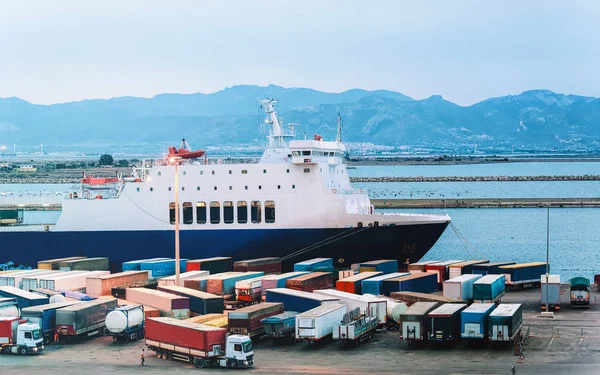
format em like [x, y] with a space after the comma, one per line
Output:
[151, 189]
[244, 171]
[259, 187]
[306, 170]
[264, 171]
[213, 172]
[230, 171]
[198, 188]
[278, 186]
[169, 188]
[138, 189]
[246, 187]
[231, 188]
[184, 173]
[215, 188]
[293, 186]
[183, 188]
[287, 170]
[159, 173]
[201, 173]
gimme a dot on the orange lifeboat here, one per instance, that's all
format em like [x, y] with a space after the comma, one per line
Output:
[185, 151]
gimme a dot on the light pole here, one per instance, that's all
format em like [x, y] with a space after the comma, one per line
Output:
[547, 254]
[175, 161]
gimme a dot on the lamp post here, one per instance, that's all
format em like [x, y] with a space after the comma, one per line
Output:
[175, 161]
[547, 253]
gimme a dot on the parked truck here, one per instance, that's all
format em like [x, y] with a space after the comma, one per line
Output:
[20, 338]
[414, 321]
[202, 345]
[580, 292]
[355, 327]
[474, 321]
[317, 324]
[45, 317]
[505, 322]
[248, 320]
[85, 318]
[444, 322]
[125, 323]
[281, 326]
[550, 291]
[249, 291]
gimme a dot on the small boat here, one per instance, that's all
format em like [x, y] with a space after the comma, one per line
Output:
[185, 151]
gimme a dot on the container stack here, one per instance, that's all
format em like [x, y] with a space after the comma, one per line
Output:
[384, 266]
[294, 300]
[52, 264]
[373, 285]
[86, 264]
[424, 282]
[353, 284]
[102, 285]
[311, 281]
[213, 265]
[266, 265]
[201, 303]
[170, 305]
[135, 265]
[420, 266]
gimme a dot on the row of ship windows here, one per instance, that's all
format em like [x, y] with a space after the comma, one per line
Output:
[212, 212]
[215, 188]
[316, 153]
[244, 171]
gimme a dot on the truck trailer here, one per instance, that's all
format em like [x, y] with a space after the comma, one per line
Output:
[580, 292]
[85, 318]
[280, 326]
[20, 338]
[414, 321]
[505, 322]
[317, 324]
[444, 322]
[45, 317]
[474, 321]
[248, 320]
[125, 323]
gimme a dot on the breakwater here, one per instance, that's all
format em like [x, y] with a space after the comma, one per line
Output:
[473, 178]
[487, 203]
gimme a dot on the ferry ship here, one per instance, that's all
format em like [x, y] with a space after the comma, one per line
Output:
[296, 203]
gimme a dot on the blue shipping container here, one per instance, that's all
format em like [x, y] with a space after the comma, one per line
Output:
[489, 288]
[281, 324]
[24, 298]
[311, 264]
[229, 283]
[491, 268]
[421, 282]
[524, 272]
[385, 266]
[474, 320]
[295, 300]
[373, 285]
[44, 315]
[134, 265]
[162, 268]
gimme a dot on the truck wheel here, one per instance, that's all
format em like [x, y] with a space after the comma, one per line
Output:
[199, 363]
[22, 350]
[158, 353]
[232, 363]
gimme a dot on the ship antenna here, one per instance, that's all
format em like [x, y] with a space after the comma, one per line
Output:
[338, 137]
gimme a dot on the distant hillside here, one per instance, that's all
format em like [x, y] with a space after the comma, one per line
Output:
[537, 119]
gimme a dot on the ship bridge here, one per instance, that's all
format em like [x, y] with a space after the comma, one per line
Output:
[317, 152]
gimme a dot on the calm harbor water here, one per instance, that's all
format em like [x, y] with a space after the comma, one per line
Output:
[497, 234]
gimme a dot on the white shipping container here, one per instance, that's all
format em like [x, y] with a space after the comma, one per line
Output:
[367, 304]
[33, 282]
[460, 287]
[170, 280]
[316, 324]
[70, 282]
[16, 279]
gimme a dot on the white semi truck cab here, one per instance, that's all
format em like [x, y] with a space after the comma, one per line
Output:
[239, 349]
[20, 338]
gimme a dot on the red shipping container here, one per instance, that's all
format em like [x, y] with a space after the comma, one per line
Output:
[102, 285]
[213, 265]
[8, 328]
[311, 281]
[184, 334]
[353, 283]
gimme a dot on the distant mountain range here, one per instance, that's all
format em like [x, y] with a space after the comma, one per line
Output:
[533, 120]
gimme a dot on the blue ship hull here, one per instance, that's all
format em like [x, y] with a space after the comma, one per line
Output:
[344, 245]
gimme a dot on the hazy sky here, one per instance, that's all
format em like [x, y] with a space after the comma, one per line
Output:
[466, 51]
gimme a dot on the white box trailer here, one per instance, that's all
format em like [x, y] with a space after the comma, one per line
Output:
[318, 323]
[170, 280]
[368, 305]
[34, 282]
[16, 279]
[460, 287]
[70, 281]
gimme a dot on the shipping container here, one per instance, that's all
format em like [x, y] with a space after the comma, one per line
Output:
[491, 268]
[201, 319]
[24, 298]
[199, 282]
[225, 283]
[170, 280]
[200, 302]
[550, 292]
[213, 265]
[184, 335]
[384, 266]
[317, 324]
[53, 264]
[311, 281]
[524, 273]
[460, 287]
[162, 268]
[295, 300]
[270, 265]
[248, 320]
[412, 297]
[70, 282]
[420, 266]
[86, 264]
[424, 282]
[16, 279]
[170, 305]
[135, 265]
[121, 290]
[442, 269]
[45, 317]
[29, 283]
[490, 288]
[474, 320]
[414, 321]
[312, 264]
[444, 322]
[278, 281]
[371, 306]
[463, 268]
[83, 318]
[373, 284]
[102, 285]
[580, 292]
[280, 325]
[353, 284]
[46, 292]
[505, 322]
